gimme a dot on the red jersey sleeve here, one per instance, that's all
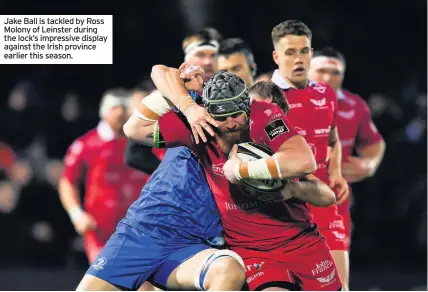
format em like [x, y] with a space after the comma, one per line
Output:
[367, 131]
[174, 130]
[269, 125]
[74, 160]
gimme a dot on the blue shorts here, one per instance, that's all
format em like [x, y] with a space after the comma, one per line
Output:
[131, 257]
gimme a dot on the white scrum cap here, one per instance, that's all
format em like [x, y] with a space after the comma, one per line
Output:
[112, 98]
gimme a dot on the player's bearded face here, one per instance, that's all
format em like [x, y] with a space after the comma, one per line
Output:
[330, 76]
[292, 55]
[207, 59]
[232, 129]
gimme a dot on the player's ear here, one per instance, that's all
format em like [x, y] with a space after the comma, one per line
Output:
[311, 53]
[275, 57]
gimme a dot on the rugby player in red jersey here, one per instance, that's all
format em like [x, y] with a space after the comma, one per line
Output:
[280, 246]
[313, 110]
[111, 186]
[354, 123]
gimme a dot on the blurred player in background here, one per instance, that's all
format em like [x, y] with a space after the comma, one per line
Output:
[111, 186]
[313, 111]
[356, 128]
[264, 77]
[201, 49]
[235, 56]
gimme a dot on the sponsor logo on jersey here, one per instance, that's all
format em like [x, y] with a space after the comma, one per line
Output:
[218, 169]
[336, 224]
[300, 131]
[346, 114]
[276, 128]
[322, 267]
[295, 105]
[322, 131]
[320, 102]
[255, 266]
[256, 275]
[328, 279]
[319, 88]
[99, 263]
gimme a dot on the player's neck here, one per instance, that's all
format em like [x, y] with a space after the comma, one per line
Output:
[298, 85]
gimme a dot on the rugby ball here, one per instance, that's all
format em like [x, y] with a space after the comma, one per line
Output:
[252, 151]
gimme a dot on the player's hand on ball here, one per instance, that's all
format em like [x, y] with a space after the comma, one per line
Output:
[231, 164]
[199, 120]
[192, 76]
[84, 223]
[339, 185]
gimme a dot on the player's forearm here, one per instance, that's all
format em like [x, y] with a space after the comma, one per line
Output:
[335, 159]
[372, 155]
[313, 192]
[139, 130]
[293, 159]
[295, 163]
[69, 195]
[167, 80]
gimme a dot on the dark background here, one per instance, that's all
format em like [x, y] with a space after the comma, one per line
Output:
[384, 43]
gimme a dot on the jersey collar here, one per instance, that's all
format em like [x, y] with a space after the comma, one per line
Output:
[340, 95]
[278, 80]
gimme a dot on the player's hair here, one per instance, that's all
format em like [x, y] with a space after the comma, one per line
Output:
[331, 53]
[206, 34]
[290, 27]
[117, 92]
[237, 45]
[266, 89]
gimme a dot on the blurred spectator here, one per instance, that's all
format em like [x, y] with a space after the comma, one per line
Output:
[64, 126]
[20, 124]
[21, 173]
[7, 157]
[12, 227]
[386, 113]
[49, 229]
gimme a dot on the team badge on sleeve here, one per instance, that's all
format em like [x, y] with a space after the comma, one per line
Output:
[276, 128]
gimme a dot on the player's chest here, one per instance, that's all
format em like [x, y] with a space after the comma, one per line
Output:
[106, 160]
[311, 114]
[347, 121]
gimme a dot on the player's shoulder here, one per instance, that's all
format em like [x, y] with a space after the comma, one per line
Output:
[82, 141]
[354, 99]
